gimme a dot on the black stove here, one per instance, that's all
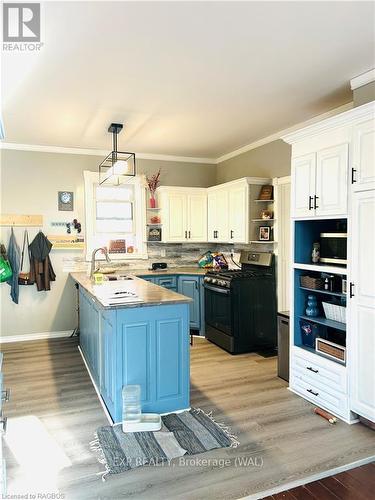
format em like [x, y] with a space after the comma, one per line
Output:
[241, 304]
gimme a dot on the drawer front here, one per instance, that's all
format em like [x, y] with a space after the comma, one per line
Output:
[167, 281]
[337, 403]
[147, 278]
[327, 375]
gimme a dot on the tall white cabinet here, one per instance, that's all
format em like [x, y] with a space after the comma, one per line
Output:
[333, 185]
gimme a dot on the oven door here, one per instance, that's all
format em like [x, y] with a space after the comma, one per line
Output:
[218, 310]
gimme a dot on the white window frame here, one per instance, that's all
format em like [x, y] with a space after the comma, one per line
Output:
[91, 180]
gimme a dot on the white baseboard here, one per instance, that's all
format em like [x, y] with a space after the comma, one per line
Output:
[35, 336]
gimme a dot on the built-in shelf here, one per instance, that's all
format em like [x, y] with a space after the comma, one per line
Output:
[262, 220]
[321, 354]
[325, 292]
[321, 268]
[264, 201]
[326, 322]
[264, 242]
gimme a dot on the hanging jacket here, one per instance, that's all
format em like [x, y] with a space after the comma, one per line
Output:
[14, 258]
[41, 271]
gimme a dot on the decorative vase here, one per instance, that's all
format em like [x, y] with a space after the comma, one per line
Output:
[152, 202]
[312, 309]
[315, 255]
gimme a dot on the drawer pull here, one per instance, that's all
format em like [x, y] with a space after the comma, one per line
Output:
[312, 392]
[312, 369]
[3, 423]
[5, 396]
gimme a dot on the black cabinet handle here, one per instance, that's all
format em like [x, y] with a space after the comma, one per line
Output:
[351, 290]
[285, 322]
[353, 175]
[312, 392]
[3, 422]
[215, 234]
[189, 235]
[5, 396]
[185, 235]
[310, 202]
[312, 369]
[316, 198]
[231, 233]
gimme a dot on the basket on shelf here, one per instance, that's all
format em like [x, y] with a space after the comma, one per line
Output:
[331, 349]
[312, 282]
[334, 312]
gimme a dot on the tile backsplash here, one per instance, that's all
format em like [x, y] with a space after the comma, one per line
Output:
[175, 255]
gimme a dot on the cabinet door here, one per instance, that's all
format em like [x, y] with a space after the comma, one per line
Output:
[362, 306]
[364, 156]
[238, 201]
[303, 185]
[218, 215]
[332, 181]
[175, 217]
[189, 286]
[108, 360]
[197, 217]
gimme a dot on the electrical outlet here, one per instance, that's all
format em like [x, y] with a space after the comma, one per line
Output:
[232, 253]
[163, 253]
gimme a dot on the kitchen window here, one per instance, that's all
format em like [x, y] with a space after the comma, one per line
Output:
[115, 218]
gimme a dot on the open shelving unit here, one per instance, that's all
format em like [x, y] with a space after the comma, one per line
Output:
[306, 233]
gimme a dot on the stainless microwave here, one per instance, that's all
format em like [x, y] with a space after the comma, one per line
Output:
[333, 248]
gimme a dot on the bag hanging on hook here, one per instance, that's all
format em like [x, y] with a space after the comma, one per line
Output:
[5, 268]
[24, 277]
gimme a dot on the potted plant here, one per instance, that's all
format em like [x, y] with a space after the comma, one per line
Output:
[153, 182]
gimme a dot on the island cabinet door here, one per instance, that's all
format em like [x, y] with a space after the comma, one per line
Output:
[189, 286]
[152, 350]
[89, 336]
[108, 359]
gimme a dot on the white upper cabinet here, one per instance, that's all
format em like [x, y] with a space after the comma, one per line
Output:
[238, 223]
[218, 217]
[331, 181]
[363, 163]
[183, 214]
[320, 183]
[303, 182]
[361, 305]
[197, 216]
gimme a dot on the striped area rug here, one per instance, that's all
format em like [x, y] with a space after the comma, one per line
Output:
[189, 432]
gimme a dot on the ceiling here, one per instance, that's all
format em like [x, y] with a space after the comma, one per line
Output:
[196, 79]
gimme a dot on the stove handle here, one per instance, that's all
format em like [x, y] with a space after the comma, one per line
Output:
[224, 291]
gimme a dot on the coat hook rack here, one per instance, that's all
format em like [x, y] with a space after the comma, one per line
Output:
[15, 220]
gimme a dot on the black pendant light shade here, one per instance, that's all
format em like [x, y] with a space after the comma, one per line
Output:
[118, 165]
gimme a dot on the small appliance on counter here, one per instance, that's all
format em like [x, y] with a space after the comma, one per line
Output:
[240, 305]
[155, 266]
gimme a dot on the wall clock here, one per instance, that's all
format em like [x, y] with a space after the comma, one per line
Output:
[65, 200]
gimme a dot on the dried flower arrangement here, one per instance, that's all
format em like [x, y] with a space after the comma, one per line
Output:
[153, 182]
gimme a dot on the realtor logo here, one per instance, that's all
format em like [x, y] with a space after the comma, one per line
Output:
[21, 22]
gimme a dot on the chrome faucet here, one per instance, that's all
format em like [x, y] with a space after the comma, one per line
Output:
[93, 260]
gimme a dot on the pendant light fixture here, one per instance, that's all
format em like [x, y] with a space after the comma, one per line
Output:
[118, 165]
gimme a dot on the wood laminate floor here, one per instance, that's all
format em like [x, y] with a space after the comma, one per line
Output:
[354, 484]
[54, 412]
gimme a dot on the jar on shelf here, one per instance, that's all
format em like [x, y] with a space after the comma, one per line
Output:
[315, 255]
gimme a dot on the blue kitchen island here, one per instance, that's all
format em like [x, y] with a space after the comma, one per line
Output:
[144, 342]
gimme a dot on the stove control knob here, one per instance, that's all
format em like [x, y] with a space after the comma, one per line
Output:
[213, 280]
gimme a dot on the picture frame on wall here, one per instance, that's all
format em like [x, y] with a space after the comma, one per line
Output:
[264, 233]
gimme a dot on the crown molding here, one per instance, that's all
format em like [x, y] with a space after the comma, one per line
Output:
[363, 79]
[342, 119]
[282, 133]
[101, 152]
